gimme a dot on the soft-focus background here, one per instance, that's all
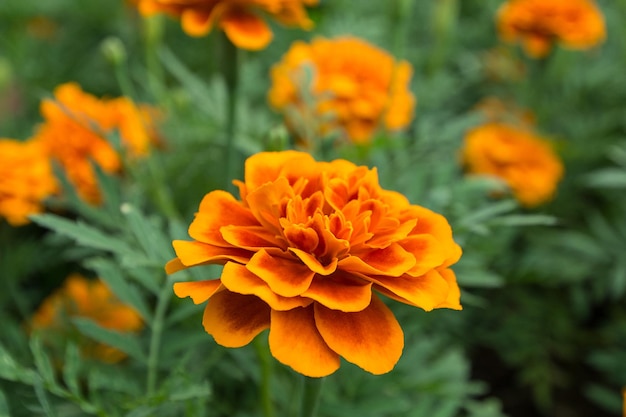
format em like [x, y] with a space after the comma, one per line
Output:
[543, 330]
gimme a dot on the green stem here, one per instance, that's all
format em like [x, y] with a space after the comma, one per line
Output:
[266, 377]
[311, 389]
[398, 25]
[157, 332]
[153, 36]
[230, 71]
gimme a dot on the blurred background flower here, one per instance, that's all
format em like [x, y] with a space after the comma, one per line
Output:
[26, 179]
[525, 161]
[537, 24]
[78, 131]
[85, 298]
[241, 20]
[342, 86]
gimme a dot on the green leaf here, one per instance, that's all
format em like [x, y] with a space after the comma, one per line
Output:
[12, 371]
[82, 233]
[126, 342]
[148, 234]
[42, 361]
[42, 397]
[71, 369]
[524, 220]
[4, 405]
[607, 178]
[114, 278]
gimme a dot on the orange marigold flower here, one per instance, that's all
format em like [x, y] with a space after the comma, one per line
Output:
[356, 85]
[240, 19]
[523, 160]
[26, 179]
[92, 299]
[303, 250]
[576, 24]
[75, 129]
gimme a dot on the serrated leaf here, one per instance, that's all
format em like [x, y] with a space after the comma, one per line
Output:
[12, 371]
[71, 368]
[42, 361]
[204, 97]
[126, 342]
[42, 397]
[82, 233]
[186, 392]
[114, 278]
[489, 212]
[147, 234]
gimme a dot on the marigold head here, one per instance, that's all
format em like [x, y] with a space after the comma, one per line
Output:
[575, 24]
[303, 249]
[26, 179]
[75, 134]
[343, 83]
[523, 160]
[92, 299]
[240, 19]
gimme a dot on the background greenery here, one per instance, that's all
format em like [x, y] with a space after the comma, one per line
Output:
[543, 330]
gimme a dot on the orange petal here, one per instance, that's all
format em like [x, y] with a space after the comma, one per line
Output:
[427, 292]
[234, 319]
[246, 30]
[284, 275]
[199, 291]
[313, 264]
[341, 291]
[219, 208]
[295, 341]
[384, 237]
[371, 339]
[174, 265]
[392, 261]
[265, 167]
[197, 253]
[238, 279]
[196, 22]
[249, 237]
[428, 252]
[454, 294]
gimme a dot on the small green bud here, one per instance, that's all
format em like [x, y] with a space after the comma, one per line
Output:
[113, 50]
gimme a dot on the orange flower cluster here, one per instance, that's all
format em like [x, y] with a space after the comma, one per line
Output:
[75, 129]
[303, 251]
[357, 86]
[523, 160]
[26, 179]
[239, 19]
[92, 299]
[576, 24]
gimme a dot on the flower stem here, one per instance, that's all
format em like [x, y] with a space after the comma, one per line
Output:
[155, 338]
[311, 389]
[230, 71]
[266, 377]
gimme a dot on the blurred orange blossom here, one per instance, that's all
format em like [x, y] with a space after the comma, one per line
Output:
[75, 131]
[92, 299]
[347, 84]
[303, 249]
[240, 19]
[26, 179]
[576, 24]
[523, 160]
